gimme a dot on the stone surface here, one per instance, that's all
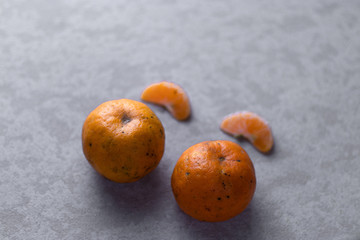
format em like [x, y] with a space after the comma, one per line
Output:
[295, 63]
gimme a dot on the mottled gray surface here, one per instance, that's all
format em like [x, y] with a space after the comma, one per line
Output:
[296, 63]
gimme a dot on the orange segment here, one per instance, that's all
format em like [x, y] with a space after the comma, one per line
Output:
[250, 126]
[169, 95]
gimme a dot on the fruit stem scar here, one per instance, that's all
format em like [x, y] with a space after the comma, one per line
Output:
[125, 119]
[221, 158]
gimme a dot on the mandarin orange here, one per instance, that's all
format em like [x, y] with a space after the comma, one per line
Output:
[123, 140]
[213, 181]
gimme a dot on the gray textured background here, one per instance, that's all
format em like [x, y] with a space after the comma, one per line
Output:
[296, 63]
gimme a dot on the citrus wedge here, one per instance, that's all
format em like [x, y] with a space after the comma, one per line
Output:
[250, 126]
[169, 95]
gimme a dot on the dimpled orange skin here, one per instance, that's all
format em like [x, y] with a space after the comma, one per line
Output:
[123, 140]
[213, 181]
[252, 127]
[171, 96]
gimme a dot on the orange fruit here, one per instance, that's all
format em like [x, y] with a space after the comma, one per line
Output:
[171, 96]
[123, 140]
[213, 181]
[250, 126]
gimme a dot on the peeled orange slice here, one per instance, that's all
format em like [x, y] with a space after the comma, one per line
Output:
[250, 126]
[169, 95]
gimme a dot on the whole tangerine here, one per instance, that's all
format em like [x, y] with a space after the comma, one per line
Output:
[213, 181]
[123, 140]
